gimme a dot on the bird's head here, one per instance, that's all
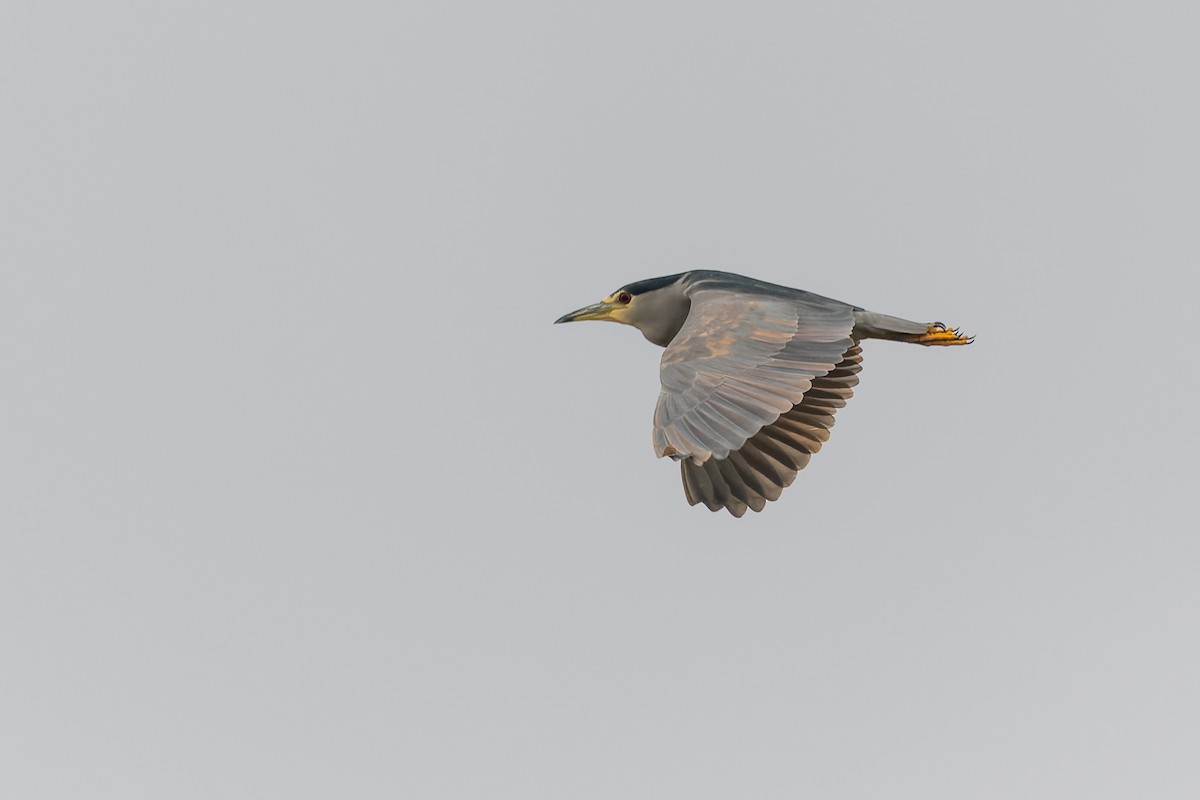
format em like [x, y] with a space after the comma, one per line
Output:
[657, 307]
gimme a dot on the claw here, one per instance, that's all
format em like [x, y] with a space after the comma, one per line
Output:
[939, 334]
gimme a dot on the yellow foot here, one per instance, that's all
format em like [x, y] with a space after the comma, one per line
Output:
[939, 334]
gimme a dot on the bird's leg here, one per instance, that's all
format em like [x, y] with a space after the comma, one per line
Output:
[939, 334]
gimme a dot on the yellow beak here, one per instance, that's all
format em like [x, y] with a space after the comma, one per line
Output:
[601, 310]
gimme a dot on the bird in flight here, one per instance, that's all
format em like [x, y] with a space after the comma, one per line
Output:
[751, 376]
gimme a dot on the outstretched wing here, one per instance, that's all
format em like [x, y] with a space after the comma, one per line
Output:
[767, 464]
[743, 358]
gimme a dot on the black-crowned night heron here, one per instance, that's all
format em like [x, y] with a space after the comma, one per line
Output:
[752, 375]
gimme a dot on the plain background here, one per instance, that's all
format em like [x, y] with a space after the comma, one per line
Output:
[304, 496]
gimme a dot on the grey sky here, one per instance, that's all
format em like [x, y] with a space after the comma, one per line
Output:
[302, 495]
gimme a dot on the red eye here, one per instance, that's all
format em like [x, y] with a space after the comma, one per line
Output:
[624, 298]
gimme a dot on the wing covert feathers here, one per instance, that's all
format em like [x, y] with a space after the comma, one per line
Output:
[740, 362]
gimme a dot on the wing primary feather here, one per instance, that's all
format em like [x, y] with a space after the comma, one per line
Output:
[805, 437]
[788, 457]
[763, 480]
[723, 491]
[690, 490]
[772, 478]
[713, 496]
[738, 487]
[746, 474]
[798, 450]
